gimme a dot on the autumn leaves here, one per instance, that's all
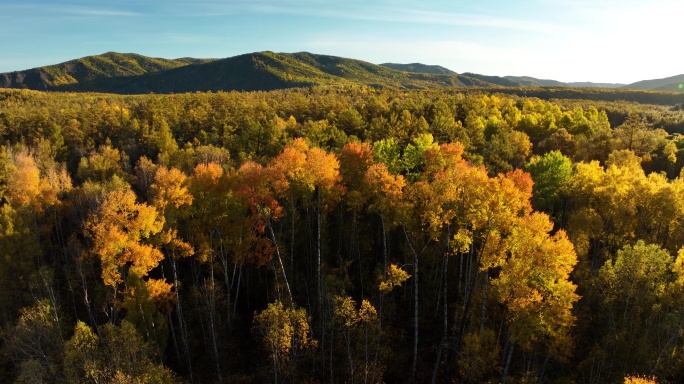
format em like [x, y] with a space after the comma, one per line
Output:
[248, 212]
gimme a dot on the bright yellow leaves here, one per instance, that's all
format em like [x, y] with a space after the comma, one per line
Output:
[534, 284]
[284, 331]
[117, 231]
[620, 204]
[349, 316]
[24, 184]
[359, 326]
[492, 217]
[385, 190]
[303, 170]
[395, 277]
[27, 186]
[629, 379]
[170, 189]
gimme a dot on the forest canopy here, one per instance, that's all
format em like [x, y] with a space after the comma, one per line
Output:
[344, 234]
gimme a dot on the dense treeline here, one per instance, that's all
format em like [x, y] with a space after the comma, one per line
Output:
[339, 235]
[599, 94]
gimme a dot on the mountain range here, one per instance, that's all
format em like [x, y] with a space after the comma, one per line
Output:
[128, 73]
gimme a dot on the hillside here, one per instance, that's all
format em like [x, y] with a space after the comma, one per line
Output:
[666, 84]
[677, 87]
[259, 71]
[127, 73]
[500, 81]
[589, 84]
[420, 68]
[90, 68]
[528, 81]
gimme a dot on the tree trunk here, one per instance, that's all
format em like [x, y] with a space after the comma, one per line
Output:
[181, 319]
[210, 298]
[280, 261]
[484, 299]
[445, 318]
[415, 308]
[507, 364]
[318, 254]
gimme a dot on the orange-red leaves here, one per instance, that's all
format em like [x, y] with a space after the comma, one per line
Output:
[117, 230]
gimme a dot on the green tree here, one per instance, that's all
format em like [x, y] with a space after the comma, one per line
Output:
[549, 172]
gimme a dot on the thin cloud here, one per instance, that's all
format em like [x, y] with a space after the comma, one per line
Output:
[470, 20]
[69, 10]
[374, 14]
[103, 12]
[77, 11]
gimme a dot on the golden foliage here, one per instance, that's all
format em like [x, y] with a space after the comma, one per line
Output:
[395, 277]
[629, 379]
[285, 331]
[117, 230]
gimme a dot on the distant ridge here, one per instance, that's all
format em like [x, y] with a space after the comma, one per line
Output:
[129, 73]
[501, 81]
[259, 71]
[665, 84]
[528, 81]
[588, 84]
[420, 68]
[90, 68]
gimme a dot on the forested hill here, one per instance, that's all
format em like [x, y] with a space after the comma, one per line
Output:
[259, 71]
[421, 68]
[91, 68]
[528, 81]
[667, 84]
[128, 73]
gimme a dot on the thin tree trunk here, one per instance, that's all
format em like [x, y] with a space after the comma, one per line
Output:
[280, 261]
[181, 319]
[507, 364]
[318, 255]
[227, 282]
[210, 297]
[237, 289]
[384, 244]
[484, 300]
[445, 312]
[415, 308]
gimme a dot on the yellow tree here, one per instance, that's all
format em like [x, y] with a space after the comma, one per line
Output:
[171, 197]
[534, 284]
[117, 354]
[313, 175]
[292, 183]
[120, 232]
[29, 206]
[360, 329]
[285, 333]
[253, 187]
[217, 233]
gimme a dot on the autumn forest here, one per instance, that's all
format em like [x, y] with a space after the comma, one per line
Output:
[341, 235]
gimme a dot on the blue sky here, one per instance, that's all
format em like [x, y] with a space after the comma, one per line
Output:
[568, 40]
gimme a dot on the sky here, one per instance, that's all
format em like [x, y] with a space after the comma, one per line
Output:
[610, 41]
